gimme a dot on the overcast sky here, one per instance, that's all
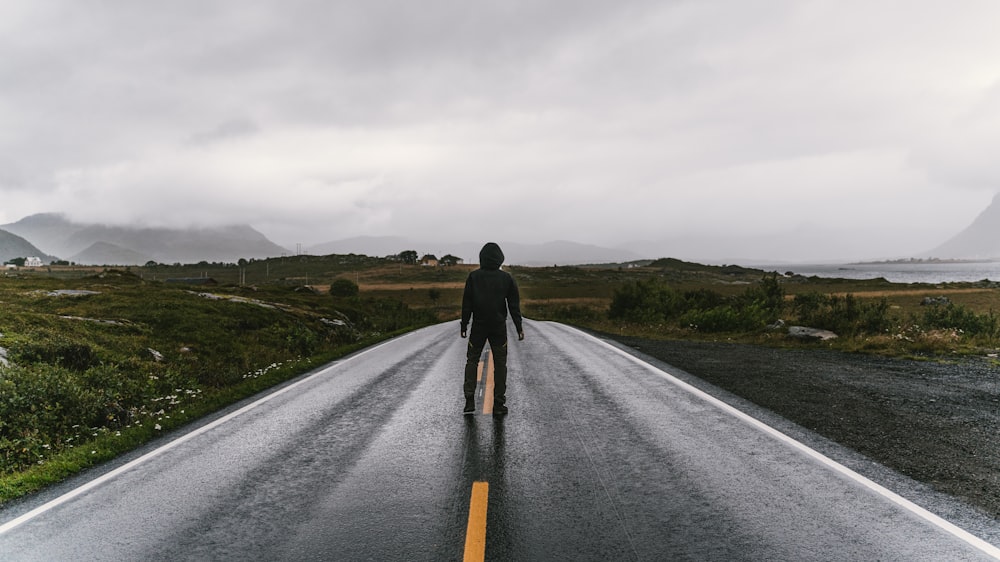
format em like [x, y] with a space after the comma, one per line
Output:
[863, 129]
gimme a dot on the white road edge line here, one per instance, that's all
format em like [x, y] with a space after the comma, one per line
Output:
[893, 497]
[14, 523]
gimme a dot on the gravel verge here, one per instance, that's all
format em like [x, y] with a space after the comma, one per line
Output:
[937, 423]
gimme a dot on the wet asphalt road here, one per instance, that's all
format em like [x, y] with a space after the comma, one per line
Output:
[600, 458]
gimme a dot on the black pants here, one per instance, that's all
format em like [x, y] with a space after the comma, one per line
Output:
[498, 344]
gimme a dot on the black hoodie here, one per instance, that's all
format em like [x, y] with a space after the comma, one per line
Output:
[489, 293]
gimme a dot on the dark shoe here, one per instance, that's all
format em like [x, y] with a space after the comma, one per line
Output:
[500, 410]
[470, 406]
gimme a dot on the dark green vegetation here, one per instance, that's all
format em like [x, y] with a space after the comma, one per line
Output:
[671, 299]
[100, 364]
[149, 348]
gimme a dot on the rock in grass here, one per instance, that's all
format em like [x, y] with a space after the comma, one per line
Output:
[810, 334]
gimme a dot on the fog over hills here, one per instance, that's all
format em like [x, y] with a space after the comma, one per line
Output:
[559, 252]
[52, 236]
[980, 240]
[13, 246]
[56, 237]
[123, 245]
[110, 254]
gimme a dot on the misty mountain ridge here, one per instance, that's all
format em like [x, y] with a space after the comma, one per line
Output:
[13, 246]
[129, 245]
[978, 241]
[108, 253]
[52, 236]
[559, 252]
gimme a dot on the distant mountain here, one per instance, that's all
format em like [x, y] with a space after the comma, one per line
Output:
[62, 237]
[558, 252]
[106, 253]
[549, 253]
[13, 246]
[47, 230]
[376, 246]
[980, 240]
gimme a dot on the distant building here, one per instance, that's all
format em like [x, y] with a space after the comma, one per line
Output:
[33, 261]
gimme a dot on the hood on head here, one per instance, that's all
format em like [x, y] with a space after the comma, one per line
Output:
[490, 257]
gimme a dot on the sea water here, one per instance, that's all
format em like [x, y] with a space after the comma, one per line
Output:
[897, 272]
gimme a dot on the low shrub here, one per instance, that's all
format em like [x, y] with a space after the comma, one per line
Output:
[646, 301]
[54, 349]
[956, 317]
[652, 301]
[343, 288]
[719, 319]
[845, 315]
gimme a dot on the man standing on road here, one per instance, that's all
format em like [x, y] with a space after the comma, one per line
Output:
[489, 294]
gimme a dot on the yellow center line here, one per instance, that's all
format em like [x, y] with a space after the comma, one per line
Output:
[475, 533]
[488, 391]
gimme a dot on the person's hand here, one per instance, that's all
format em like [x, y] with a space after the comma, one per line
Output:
[520, 336]
[463, 333]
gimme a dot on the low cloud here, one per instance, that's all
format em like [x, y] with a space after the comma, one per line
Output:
[593, 121]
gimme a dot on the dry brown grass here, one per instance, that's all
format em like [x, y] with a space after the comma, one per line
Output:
[913, 292]
[578, 301]
[388, 286]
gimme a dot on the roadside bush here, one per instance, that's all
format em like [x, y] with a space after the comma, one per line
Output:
[766, 299]
[39, 407]
[299, 340]
[119, 390]
[343, 288]
[54, 350]
[845, 315]
[719, 319]
[703, 309]
[646, 301]
[45, 409]
[703, 299]
[811, 308]
[956, 317]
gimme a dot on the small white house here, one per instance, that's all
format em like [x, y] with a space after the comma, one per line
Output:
[33, 261]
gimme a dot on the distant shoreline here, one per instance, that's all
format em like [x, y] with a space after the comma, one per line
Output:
[924, 261]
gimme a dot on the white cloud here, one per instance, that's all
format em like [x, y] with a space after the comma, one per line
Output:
[595, 121]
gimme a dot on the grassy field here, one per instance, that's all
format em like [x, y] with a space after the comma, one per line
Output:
[101, 360]
[99, 364]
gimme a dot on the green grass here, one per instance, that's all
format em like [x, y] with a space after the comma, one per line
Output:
[86, 385]
[884, 318]
[96, 374]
